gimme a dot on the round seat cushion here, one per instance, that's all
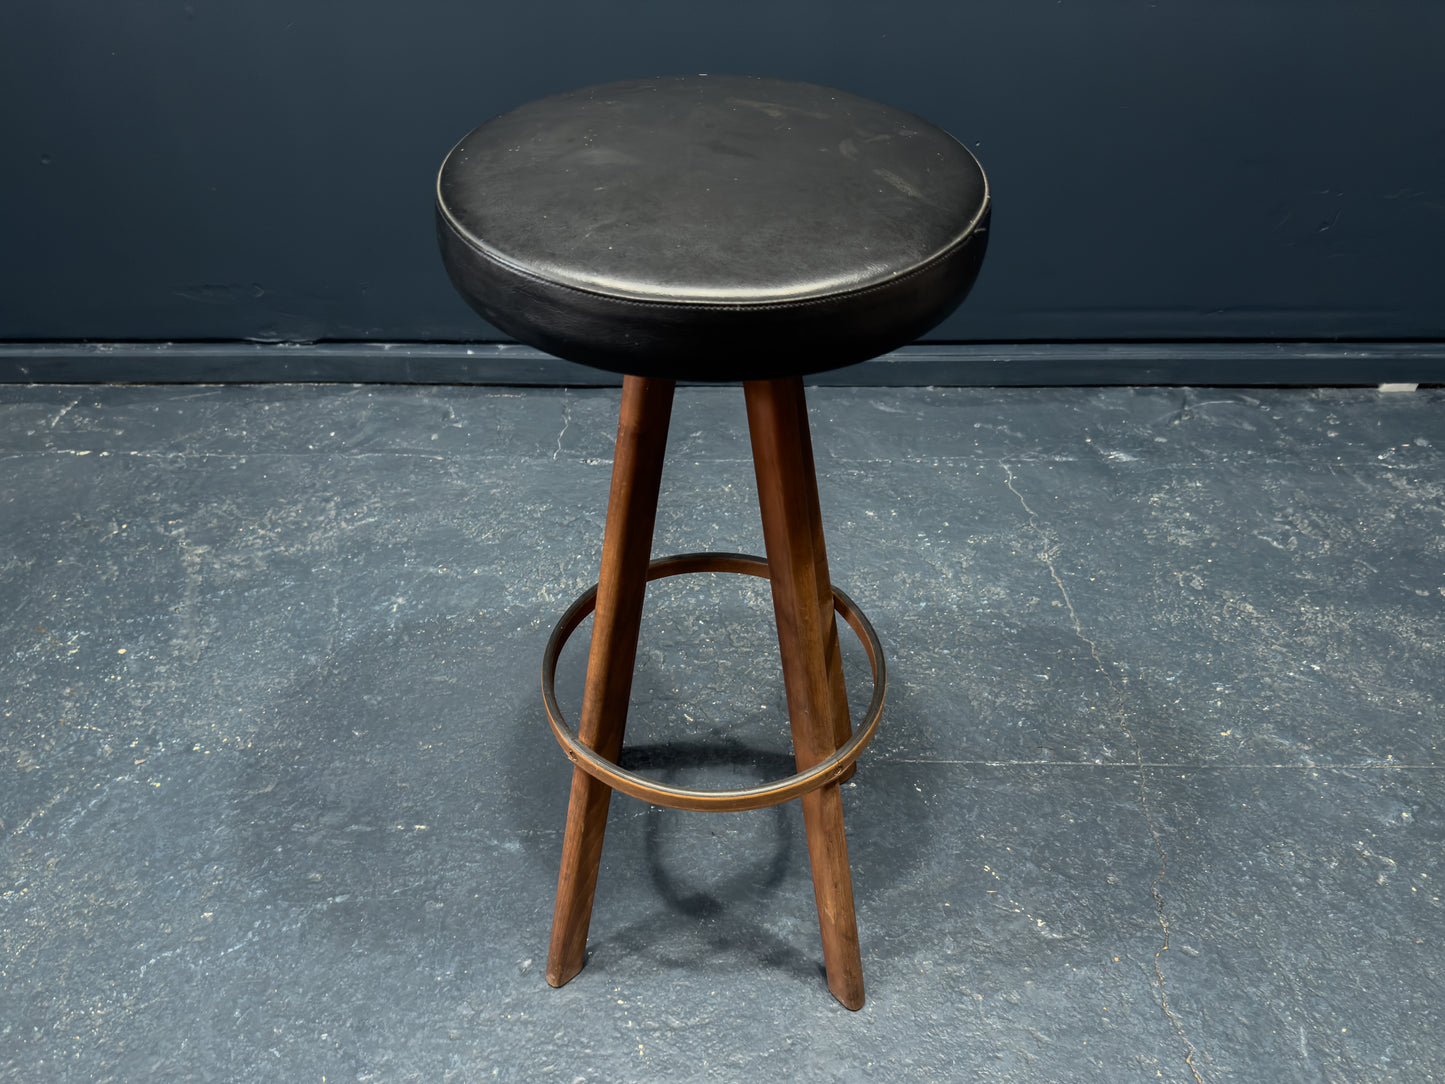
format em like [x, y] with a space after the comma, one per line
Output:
[712, 228]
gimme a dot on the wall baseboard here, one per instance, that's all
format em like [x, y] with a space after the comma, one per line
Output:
[958, 365]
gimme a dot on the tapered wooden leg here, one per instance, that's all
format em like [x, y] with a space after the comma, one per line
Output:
[626, 549]
[812, 667]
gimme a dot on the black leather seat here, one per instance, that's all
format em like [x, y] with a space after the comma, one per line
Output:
[711, 228]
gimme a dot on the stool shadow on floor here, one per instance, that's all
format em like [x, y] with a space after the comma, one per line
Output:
[664, 762]
[724, 913]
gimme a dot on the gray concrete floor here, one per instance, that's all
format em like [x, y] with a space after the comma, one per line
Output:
[1157, 794]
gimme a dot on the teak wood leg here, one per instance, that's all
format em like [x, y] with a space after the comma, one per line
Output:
[808, 643]
[626, 548]
[807, 640]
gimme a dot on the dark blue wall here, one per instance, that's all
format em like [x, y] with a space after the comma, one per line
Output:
[1195, 169]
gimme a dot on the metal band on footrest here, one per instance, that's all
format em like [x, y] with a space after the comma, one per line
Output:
[794, 786]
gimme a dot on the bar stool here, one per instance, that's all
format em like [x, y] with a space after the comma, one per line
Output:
[713, 229]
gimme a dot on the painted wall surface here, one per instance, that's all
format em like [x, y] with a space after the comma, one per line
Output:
[1194, 169]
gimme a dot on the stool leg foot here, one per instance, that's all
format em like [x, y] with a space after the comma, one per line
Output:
[626, 548]
[833, 890]
[808, 642]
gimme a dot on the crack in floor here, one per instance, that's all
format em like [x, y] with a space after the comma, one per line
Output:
[566, 421]
[1046, 555]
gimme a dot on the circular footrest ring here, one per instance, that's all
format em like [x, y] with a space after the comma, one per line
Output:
[783, 790]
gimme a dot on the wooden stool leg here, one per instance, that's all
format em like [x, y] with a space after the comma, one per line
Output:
[808, 641]
[626, 549]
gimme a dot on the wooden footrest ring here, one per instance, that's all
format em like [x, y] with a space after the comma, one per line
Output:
[783, 790]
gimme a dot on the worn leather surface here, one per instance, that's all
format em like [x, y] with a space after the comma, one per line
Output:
[712, 228]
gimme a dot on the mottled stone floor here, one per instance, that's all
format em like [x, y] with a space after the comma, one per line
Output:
[1158, 793]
